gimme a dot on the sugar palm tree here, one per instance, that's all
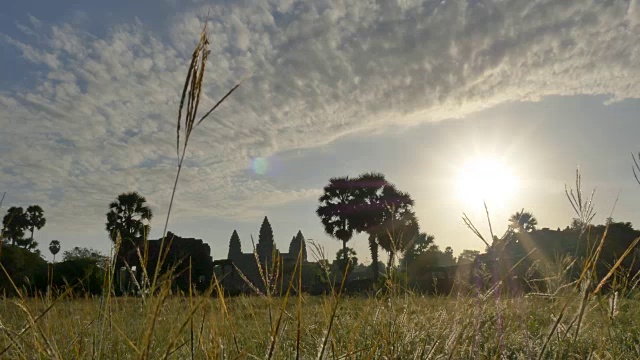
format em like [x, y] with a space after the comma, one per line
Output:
[369, 211]
[398, 228]
[523, 221]
[54, 248]
[34, 217]
[336, 211]
[385, 214]
[129, 217]
[369, 204]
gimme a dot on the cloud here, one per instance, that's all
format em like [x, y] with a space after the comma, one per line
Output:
[99, 118]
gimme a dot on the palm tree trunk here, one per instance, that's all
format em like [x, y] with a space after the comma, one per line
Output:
[373, 246]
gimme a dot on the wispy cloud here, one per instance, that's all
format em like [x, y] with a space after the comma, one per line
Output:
[99, 118]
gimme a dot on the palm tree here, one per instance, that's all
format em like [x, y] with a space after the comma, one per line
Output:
[34, 217]
[522, 221]
[54, 248]
[399, 228]
[370, 204]
[368, 211]
[129, 218]
[336, 210]
[385, 214]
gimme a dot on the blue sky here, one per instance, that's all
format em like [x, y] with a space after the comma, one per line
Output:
[414, 89]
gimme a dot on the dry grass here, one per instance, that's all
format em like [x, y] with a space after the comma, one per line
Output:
[400, 327]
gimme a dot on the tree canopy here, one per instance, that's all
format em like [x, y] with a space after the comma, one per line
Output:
[418, 247]
[88, 254]
[14, 225]
[523, 221]
[399, 226]
[370, 204]
[350, 255]
[467, 256]
[16, 221]
[34, 218]
[82, 253]
[54, 248]
[337, 209]
[129, 216]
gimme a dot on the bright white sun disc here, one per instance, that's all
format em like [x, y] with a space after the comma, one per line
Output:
[486, 180]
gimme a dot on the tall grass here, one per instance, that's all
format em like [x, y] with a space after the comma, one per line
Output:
[355, 327]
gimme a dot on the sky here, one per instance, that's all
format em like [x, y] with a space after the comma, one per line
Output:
[413, 89]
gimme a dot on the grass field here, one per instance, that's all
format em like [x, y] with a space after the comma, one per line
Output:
[576, 324]
[399, 327]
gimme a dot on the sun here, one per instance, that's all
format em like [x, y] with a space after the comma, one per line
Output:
[486, 180]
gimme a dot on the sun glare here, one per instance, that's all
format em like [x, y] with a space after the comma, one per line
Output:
[488, 180]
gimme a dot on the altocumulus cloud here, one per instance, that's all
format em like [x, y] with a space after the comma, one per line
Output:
[100, 116]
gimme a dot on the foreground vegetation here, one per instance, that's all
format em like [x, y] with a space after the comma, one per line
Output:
[403, 326]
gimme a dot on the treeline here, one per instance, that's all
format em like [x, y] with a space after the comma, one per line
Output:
[529, 259]
[366, 204]
[29, 273]
[82, 269]
[16, 222]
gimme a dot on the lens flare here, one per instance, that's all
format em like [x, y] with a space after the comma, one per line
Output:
[259, 165]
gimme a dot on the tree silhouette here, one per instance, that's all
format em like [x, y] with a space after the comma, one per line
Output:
[235, 248]
[370, 204]
[16, 221]
[448, 251]
[522, 221]
[29, 244]
[368, 211]
[350, 255]
[34, 218]
[386, 214]
[298, 244]
[433, 257]
[399, 227]
[467, 256]
[336, 210]
[78, 253]
[54, 248]
[129, 218]
[420, 246]
[265, 246]
[14, 224]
